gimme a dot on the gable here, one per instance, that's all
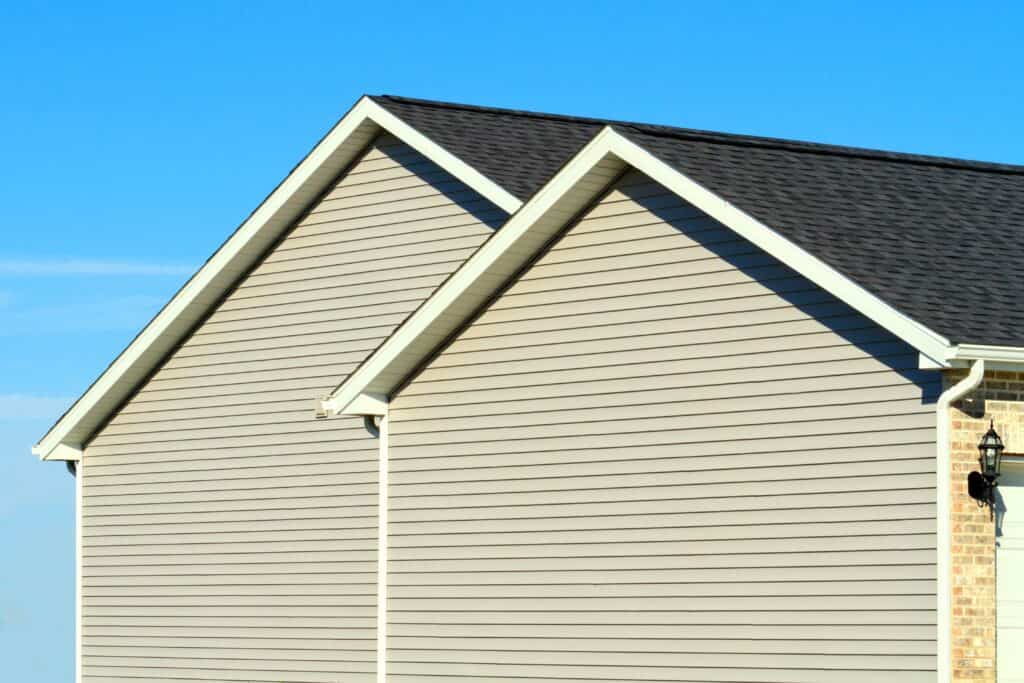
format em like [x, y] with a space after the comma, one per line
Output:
[365, 256]
[542, 218]
[303, 185]
[644, 272]
[659, 436]
[239, 525]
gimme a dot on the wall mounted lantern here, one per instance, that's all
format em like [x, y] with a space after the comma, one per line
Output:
[982, 485]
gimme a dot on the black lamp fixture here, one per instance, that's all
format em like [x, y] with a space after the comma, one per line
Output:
[982, 485]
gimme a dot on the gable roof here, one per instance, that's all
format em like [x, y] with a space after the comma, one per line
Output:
[540, 220]
[941, 240]
[926, 246]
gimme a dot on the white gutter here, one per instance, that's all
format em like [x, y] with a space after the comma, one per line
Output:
[998, 357]
[944, 513]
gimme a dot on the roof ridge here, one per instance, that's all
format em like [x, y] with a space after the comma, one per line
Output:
[734, 139]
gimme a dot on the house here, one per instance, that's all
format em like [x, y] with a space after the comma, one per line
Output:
[488, 395]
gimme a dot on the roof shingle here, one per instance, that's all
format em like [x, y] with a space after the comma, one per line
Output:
[941, 240]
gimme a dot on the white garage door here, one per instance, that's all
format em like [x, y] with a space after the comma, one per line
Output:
[1010, 576]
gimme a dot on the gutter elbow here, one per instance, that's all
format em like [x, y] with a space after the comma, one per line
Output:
[370, 422]
[961, 388]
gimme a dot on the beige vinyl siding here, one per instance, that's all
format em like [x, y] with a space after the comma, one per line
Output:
[228, 535]
[661, 455]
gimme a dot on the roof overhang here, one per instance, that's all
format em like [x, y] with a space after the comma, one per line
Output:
[524, 235]
[307, 181]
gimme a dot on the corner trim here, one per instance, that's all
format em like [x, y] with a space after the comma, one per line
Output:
[79, 612]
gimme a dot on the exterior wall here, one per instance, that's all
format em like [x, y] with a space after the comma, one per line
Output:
[227, 534]
[662, 455]
[1001, 398]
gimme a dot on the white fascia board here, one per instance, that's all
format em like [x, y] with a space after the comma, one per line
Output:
[378, 368]
[278, 211]
[997, 357]
[446, 160]
[917, 335]
[472, 272]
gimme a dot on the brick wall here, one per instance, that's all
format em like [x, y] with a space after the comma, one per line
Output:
[1000, 397]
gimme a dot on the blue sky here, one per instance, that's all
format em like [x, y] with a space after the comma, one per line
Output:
[134, 139]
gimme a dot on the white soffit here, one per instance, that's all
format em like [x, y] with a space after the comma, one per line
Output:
[544, 215]
[307, 181]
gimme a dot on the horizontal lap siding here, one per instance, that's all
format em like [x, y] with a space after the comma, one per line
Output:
[229, 536]
[661, 455]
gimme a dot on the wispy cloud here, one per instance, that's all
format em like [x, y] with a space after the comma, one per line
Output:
[86, 267]
[129, 312]
[27, 407]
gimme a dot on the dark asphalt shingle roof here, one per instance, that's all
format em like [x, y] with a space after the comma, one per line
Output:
[941, 240]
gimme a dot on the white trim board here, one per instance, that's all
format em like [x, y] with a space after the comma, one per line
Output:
[276, 214]
[547, 212]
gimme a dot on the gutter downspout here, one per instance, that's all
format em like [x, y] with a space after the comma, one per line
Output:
[944, 512]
